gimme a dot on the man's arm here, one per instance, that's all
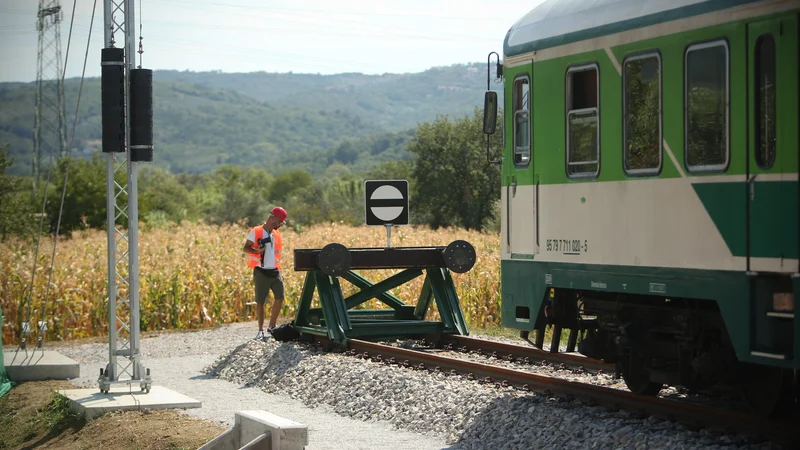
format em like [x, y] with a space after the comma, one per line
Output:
[248, 248]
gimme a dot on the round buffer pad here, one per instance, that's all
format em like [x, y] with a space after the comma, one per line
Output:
[459, 256]
[334, 259]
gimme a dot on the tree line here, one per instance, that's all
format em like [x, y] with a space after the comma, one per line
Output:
[451, 182]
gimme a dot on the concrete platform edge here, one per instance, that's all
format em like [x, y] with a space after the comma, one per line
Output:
[92, 404]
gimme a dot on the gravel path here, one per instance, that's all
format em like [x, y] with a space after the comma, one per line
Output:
[352, 403]
[177, 360]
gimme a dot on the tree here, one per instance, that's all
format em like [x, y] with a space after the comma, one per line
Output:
[236, 204]
[85, 197]
[160, 193]
[288, 182]
[453, 183]
[392, 170]
[16, 211]
[257, 181]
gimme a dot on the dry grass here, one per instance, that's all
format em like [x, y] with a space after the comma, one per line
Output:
[195, 276]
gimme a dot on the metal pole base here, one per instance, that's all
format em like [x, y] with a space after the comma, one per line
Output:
[105, 380]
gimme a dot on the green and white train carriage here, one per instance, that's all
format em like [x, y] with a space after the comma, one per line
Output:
[650, 188]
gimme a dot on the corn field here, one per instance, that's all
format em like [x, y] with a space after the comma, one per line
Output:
[195, 276]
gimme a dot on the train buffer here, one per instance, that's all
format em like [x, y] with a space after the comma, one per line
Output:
[340, 318]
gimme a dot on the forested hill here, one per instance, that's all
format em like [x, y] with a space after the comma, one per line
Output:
[393, 101]
[266, 120]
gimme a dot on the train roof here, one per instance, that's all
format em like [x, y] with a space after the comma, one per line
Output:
[558, 22]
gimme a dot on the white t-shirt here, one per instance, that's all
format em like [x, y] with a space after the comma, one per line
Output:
[268, 260]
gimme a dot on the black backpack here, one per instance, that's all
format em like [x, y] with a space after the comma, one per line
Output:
[284, 333]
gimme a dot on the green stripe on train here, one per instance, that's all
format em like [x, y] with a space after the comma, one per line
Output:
[773, 216]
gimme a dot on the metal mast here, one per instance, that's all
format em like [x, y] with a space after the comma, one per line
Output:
[49, 129]
[122, 219]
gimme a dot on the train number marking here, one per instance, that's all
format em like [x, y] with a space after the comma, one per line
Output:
[567, 246]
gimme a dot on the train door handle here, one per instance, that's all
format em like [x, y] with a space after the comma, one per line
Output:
[508, 218]
[752, 187]
[513, 186]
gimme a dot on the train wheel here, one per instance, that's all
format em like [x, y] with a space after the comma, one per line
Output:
[768, 390]
[637, 378]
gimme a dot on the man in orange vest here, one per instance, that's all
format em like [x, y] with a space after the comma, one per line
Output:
[263, 249]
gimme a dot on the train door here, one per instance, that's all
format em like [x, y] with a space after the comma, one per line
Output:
[518, 196]
[772, 190]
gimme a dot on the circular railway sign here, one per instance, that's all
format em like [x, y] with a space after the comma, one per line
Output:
[386, 202]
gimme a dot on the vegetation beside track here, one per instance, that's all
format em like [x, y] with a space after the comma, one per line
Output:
[194, 275]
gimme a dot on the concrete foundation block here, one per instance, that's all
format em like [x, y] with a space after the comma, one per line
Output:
[92, 403]
[37, 365]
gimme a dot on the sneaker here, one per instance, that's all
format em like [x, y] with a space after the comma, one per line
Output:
[260, 335]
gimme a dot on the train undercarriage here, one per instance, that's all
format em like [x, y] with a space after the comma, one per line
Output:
[656, 341]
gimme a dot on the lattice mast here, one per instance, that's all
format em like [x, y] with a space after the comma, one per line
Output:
[117, 64]
[49, 126]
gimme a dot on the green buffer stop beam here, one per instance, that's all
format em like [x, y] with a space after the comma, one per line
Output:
[336, 317]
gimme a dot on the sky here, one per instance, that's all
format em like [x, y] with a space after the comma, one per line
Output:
[301, 36]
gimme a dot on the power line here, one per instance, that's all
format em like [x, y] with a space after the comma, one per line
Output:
[69, 156]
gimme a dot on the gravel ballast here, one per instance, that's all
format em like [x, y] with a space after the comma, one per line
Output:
[349, 402]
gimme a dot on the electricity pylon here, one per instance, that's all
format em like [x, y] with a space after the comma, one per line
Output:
[49, 127]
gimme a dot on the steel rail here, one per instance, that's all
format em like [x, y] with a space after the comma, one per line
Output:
[669, 409]
[520, 352]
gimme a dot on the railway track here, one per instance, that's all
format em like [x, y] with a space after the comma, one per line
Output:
[690, 414]
[521, 353]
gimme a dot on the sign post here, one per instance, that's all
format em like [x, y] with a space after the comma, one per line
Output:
[386, 204]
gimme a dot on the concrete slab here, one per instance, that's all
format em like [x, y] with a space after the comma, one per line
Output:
[259, 429]
[37, 365]
[285, 434]
[93, 404]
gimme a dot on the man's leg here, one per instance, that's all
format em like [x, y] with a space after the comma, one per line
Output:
[262, 290]
[260, 316]
[275, 312]
[277, 294]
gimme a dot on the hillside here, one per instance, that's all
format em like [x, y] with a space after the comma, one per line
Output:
[394, 101]
[267, 120]
[195, 128]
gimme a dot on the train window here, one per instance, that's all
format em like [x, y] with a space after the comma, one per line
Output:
[522, 121]
[706, 106]
[641, 78]
[766, 139]
[583, 143]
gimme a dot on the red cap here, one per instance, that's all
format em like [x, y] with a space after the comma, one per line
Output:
[279, 212]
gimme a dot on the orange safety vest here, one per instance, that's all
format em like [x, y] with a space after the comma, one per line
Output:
[254, 260]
